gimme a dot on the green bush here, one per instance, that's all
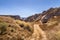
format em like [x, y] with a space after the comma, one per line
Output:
[3, 28]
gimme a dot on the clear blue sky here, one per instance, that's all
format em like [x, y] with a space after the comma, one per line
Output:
[26, 8]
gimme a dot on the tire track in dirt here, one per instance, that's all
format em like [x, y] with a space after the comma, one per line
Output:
[39, 32]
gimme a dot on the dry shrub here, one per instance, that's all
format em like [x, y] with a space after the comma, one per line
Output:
[25, 25]
[3, 27]
[57, 35]
[14, 29]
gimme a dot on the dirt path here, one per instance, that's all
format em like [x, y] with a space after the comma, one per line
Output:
[39, 33]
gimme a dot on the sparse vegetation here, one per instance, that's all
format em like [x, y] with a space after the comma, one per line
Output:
[3, 27]
[57, 35]
[25, 25]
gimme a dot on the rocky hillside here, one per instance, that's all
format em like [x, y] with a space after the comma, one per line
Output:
[32, 18]
[36, 17]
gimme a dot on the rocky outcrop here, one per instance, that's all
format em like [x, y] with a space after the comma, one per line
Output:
[50, 13]
[32, 18]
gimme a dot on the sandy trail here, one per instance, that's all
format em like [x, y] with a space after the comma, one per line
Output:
[39, 32]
